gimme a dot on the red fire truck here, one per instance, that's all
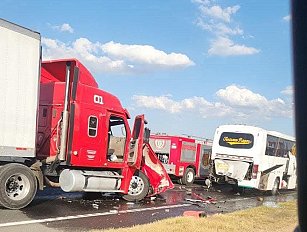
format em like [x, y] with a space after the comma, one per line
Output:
[59, 129]
[184, 158]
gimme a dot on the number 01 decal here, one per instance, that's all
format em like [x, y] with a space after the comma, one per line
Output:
[98, 99]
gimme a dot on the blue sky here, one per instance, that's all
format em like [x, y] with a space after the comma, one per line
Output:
[189, 65]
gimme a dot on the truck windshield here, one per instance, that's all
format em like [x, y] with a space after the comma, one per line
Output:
[236, 140]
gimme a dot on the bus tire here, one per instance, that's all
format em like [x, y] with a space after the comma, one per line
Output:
[18, 186]
[275, 188]
[188, 176]
[139, 187]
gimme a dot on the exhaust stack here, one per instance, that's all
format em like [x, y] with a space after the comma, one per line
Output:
[64, 129]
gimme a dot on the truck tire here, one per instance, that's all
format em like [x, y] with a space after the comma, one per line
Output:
[139, 187]
[188, 176]
[18, 186]
[275, 188]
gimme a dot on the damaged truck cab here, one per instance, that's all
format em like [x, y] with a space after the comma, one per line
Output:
[60, 129]
[97, 136]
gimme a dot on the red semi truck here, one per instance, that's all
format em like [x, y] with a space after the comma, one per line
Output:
[59, 129]
[184, 158]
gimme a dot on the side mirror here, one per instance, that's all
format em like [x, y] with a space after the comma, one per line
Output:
[146, 135]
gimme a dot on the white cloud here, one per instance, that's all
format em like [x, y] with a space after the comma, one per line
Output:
[115, 57]
[146, 54]
[218, 12]
[193, 104]
[288, 91]
[245, 100]
[233, 101]
[219, 29]
[219, 22]
[65, 27]
[287, 18]
[223, 46]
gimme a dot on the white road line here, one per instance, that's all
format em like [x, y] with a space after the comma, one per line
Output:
[27, 222]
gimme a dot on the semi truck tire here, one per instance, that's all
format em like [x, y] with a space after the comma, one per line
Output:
[18, 186]
[139, 187]
[275, 188]
[188, 176]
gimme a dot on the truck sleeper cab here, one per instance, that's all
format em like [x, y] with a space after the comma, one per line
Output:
[251, 157]
[184, 158]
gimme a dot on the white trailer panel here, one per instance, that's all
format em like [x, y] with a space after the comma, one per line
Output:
[20, 53]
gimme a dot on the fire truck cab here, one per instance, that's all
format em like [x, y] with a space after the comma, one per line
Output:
[184, 158]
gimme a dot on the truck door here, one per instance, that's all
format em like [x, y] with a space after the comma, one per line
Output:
[136, 144]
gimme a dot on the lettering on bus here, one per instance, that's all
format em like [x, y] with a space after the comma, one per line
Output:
[236, 140]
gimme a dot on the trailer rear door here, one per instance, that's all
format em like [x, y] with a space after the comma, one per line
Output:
[20, 54]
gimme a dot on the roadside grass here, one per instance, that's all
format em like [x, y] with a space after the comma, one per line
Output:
[282, 219]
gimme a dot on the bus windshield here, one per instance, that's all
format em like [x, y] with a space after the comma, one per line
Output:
[236, 140]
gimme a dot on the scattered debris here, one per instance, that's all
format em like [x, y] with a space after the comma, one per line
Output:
[153, 198]
[130, 203]
[194, 214]
[192, 200]
[259, 198]
[188, 192]
[237, 194]
[167, 210]
[69, 201]
[154, 213]
[209, 199]
[113, 211]
[95, 206]
[219, 190]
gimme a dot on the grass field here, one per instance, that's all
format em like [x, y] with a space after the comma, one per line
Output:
[280, 219]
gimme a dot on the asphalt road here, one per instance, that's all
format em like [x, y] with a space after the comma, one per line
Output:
[53, 210]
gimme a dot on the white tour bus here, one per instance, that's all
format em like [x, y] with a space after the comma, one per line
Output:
[251, 157]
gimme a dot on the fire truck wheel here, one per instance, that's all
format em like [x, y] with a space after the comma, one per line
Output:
[188, 176]
[139, 187]
[275, 188]
[18, 186]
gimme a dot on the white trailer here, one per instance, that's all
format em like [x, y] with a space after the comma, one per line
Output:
[20, 51]
[252, 157]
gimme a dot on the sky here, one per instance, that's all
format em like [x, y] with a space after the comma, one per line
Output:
[188, 65]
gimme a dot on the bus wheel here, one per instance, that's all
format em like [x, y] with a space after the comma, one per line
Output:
[139, 187]
[275, 188]
[188, 177]
[18, 186]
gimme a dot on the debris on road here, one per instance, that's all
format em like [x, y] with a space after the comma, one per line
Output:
[95, 206]
[208, 200]
[194, 214]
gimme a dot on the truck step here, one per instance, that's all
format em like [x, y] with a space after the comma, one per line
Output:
[103, 175]
[104, 191]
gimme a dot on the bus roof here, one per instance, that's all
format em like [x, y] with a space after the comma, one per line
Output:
[241, 128]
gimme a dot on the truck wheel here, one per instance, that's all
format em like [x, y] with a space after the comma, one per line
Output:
[275, 188]
[188, 177]
[18, 186]
[139, 187]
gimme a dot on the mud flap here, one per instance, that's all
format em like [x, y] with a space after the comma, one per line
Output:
[156, 173]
